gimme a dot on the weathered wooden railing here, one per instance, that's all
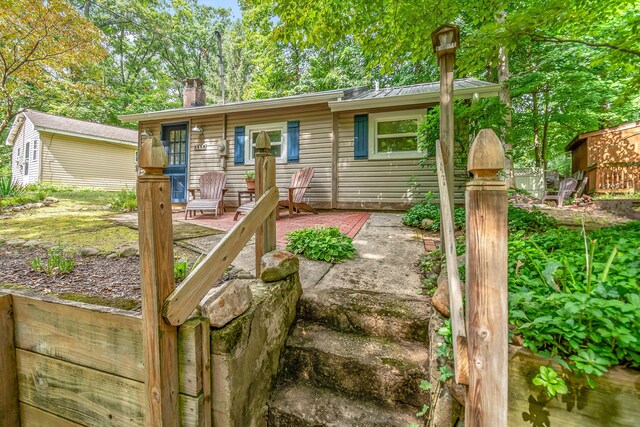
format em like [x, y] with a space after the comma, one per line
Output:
[163, 307]
[458, 328]
[615, 178]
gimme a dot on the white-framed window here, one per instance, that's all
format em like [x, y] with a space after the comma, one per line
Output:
[34, 156]
[394, 135]
[277, 134]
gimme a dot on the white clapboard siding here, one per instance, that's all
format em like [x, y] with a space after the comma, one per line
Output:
[86, 162]
[27, 133]
[381, 184]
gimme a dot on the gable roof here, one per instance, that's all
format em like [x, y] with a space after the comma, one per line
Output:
[338, 100]
[45, 122]
[578, 139]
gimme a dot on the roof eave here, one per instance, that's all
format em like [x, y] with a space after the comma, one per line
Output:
[86, 136]
[15, 129]
[419, 98]
[207, 110]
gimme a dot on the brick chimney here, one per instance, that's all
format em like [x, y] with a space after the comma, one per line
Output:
[193, 94]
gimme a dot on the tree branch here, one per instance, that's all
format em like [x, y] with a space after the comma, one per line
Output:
[551, 39]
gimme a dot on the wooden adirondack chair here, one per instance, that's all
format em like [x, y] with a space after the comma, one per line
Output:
[300, 183]
[567, 187]
[211, 194]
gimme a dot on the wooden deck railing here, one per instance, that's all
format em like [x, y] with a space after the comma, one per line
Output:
[618, 178]
[458, 328]
[163, 307]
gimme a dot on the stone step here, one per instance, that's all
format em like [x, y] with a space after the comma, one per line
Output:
[360, 366]
[304, 406]
[368, 313]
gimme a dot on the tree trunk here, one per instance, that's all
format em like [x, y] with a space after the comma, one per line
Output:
[503, 77]
[536, 130]
[545, 133]
[87, 8]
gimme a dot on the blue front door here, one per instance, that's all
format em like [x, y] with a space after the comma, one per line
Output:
[174, 139]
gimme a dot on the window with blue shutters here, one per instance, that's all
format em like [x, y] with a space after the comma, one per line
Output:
[293, 141]
[238, 146]
[277, 135]
[360, 136]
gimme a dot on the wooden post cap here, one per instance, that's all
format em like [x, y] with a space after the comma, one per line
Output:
[153, 157]
[486, 156]
[263, 141]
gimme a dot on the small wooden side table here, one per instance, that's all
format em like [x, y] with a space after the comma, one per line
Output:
[249, 193]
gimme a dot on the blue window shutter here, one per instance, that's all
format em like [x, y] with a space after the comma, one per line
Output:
[293, 141]
[361, 136]
[238, 146]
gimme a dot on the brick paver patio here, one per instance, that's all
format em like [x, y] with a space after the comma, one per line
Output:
[349, 222]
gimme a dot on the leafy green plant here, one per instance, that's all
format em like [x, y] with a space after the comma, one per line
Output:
[428, 209]
[9, 188]
[181, 269]
[574, 296]
[124, 201]
[529, 221]
[250, 174]
[552, 383]
[321, 243]
[445, 373]
[56, 263]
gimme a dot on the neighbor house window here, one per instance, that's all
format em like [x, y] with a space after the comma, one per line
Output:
[26, 159]
[395, 134]
[35, 150]
[277, 134]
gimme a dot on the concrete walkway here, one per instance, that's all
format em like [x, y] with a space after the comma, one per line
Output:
[387, 259]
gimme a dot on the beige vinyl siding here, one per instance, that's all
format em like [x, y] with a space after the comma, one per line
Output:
[382, 184]
[26, 134]
[315, 149]
[85, 162]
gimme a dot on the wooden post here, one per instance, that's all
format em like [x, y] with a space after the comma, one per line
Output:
[487, 331]
[265, 179]
[9, 409]
[160, 340]
[445, 40]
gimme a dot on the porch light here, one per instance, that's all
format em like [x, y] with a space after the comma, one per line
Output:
[146, 133]
[196, 130]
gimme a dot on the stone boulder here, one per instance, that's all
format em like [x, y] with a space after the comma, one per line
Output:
[226, 302]
[440, 299]
[278, 265]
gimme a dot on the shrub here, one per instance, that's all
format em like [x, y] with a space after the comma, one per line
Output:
[321, 243]
[532, 221]
[428, 209]
[519, 219]
[124, 201]
[56, 262]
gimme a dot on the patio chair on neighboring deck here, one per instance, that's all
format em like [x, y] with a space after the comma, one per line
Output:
[567, 187]
[211, 194]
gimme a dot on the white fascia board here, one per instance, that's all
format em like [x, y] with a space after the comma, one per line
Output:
[261, 104]
[419, 98]
[85, 136]
[15, 128]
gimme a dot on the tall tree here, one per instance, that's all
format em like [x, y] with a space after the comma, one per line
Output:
[45, 49]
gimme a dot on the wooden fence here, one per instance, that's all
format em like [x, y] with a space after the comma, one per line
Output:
[82, 365]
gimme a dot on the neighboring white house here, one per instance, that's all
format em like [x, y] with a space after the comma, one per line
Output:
[65, 151]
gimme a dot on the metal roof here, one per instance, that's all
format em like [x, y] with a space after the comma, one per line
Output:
[338, 100]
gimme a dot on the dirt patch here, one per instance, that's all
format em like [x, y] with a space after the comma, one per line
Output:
[113, 282]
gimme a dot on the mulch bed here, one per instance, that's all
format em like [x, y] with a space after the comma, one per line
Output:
[98, 276]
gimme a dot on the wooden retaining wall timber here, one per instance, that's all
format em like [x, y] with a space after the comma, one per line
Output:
[79, 364]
